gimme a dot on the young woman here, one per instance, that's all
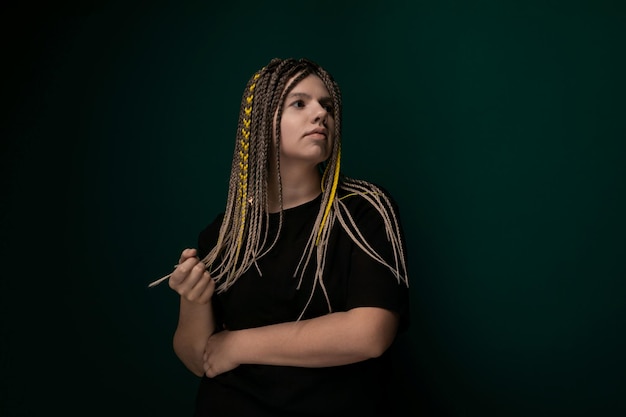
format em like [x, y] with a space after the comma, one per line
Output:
[294, 294]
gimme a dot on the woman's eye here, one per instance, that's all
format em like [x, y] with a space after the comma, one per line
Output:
[329, 108]
[298, 103]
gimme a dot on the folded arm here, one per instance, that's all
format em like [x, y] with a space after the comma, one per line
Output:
[334, 339]
[195, 325]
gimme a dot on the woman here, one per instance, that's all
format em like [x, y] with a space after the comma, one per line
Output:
[295, 293]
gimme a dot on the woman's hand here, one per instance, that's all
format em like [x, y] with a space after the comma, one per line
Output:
[219, 353]
[191, 280]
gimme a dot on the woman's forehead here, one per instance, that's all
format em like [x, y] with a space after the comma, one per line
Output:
[310, 81]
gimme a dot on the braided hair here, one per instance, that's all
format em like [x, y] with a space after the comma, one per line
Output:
[242, 238]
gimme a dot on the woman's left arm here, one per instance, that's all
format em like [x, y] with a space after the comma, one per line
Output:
[334, 339]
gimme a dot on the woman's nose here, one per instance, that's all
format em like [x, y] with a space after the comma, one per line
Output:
[321, 114]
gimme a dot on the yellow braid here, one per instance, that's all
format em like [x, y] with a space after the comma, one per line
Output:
[333, 191]
[242, 193]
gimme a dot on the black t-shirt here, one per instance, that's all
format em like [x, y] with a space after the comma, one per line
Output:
[351, 279]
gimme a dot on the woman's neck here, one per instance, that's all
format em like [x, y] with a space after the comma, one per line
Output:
[298, 187]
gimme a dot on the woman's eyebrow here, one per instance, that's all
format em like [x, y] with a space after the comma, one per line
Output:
[307, 96]
[300, 95]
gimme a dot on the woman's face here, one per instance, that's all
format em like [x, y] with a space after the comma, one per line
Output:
[307, 125]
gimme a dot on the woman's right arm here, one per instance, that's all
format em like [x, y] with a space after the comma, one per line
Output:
[195, 320]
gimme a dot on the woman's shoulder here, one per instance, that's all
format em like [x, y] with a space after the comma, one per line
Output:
[357, 194]
[207, 238]
[216, 223]
[367, 204]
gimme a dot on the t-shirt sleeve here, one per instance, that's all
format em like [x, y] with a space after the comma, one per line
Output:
[372, 284]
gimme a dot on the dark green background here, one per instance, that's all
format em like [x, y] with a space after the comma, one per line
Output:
[499, 127]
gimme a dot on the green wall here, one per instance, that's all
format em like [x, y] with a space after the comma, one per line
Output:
[499, 127]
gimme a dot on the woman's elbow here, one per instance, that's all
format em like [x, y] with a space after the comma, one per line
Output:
[188, 356]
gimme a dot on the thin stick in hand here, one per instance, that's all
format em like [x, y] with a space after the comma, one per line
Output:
[160, 280]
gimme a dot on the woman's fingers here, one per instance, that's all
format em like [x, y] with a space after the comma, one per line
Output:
[191, 280]
[187, 253]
